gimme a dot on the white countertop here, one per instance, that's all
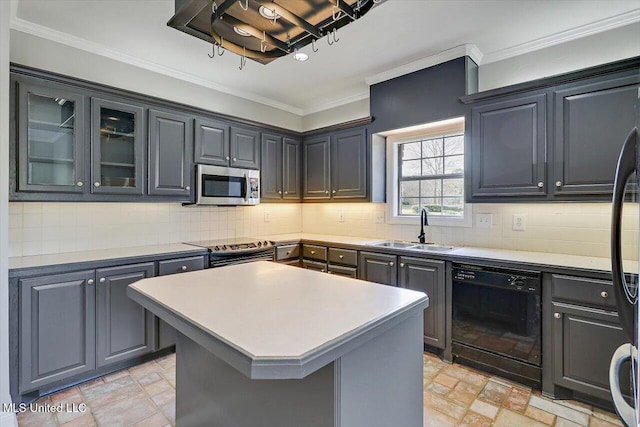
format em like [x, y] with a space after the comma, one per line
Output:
[525, 257]
[99, 255]
[269, 311]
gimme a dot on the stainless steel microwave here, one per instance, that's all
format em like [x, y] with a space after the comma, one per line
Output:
[217, 185]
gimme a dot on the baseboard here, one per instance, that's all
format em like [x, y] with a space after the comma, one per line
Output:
[8, 419]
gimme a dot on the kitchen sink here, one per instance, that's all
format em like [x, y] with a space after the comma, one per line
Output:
[424, 247]
[432, 248]
[395, 244]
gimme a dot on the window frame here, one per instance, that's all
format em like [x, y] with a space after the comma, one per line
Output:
[448, 128]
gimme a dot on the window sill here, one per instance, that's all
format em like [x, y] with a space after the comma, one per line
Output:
[433, 221]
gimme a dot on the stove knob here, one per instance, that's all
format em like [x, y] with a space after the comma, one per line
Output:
[518, 283]
[224, 247]
[266, 243]
[259, 244]
[217, 248]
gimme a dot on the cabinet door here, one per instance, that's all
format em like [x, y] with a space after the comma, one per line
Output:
[245, 148]
[271, 170]
[427, 276]
[166, 332]
[211, 142]
[580, 331]
[291, 169]
[50, 138]
[57, 328]
[124, 328]
[508, 148]
[170, 154]
[379, 268]
[591, 123]
[117, 148]
[316, 168]
[314, 265]
[349, 164]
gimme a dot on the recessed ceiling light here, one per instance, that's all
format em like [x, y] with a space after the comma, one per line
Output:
[300, 56]
[268, 13]
[240, 31]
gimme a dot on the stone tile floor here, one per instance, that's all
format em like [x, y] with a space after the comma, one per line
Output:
[454, 395]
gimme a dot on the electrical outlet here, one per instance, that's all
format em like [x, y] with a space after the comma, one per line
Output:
[484, 220]
[267, 216]
[519, 222]
[380, 217]
[340, 215]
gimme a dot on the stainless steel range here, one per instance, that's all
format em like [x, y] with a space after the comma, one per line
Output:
[236, 251]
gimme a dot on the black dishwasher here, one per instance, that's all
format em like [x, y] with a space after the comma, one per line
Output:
[496, 321]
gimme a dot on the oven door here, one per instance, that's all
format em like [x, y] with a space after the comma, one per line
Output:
[227, 186]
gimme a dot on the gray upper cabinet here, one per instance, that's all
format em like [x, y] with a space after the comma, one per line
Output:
[591, 123]
[508, 148]
[271, 170]
[211, 142]
[291, 169]
[117, 147]
[379, 268]
[57, 328]
[124, 328]
[245, 148]
[427, 276]
[316, 168]
[50, 138]
[170, 154]
[349, 164]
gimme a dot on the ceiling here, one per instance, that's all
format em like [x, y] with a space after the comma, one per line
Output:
[392, 34]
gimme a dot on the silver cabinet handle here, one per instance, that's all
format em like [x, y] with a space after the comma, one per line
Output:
[540, 184]
[90, 282]
[286, 192]
[227, 157]
[557, 315]
[341, 256]
[313, 252]
[234, 159]
[402, 265]
[188, 188]
[102, 280]
[322, 271]
[334, 191]
[288, 252]
[604, 294]
[558, 184]
[96, 184]
[80, 184]
[184, 268]
[326, 192]
[329, 272]
[279, 192]
[391, 264]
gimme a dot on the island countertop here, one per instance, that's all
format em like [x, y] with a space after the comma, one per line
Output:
[273, 321]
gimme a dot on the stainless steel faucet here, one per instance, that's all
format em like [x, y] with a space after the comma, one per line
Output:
[424, 220]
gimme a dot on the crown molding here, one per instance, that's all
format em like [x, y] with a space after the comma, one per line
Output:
[565, 36]
[469, 50]
[37, 30]
[336, 103]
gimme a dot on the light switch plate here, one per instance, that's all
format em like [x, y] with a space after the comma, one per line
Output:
[380, 217]
[484, 220]
[340, 215]
[519, 222]
[267, 216]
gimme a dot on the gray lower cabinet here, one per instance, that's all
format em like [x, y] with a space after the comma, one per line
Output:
[379, 268]
[124, 328]
[592, 122]
[340, 270]
[211, 142]
[316, 174]
[57, 328]
[314, 265]
[245, 148]
[427, 276]
[170, 154]
[349, 164]
[166, 332]
[508, 148]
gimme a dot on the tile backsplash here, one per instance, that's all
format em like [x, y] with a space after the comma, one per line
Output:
[43, 228]
[568, 228]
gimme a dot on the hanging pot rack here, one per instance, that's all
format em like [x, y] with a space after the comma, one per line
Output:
[242, 27]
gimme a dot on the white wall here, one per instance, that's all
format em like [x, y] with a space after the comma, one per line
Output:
[609, 46]
[344, 113]
[6, 419]
[37, 52]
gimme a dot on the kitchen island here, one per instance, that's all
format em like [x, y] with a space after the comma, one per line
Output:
[263, 344]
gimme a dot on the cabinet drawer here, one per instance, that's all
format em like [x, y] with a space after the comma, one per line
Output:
[314, 252]
[343, 256]
[287, 252]
[583, 290]
[291, 262]
[181, 265]
[314, 265]
[343, 271]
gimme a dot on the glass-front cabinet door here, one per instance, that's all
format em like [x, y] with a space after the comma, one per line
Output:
[117, 148]
[51, 134]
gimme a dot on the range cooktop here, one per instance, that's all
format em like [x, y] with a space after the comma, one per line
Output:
[236, 245]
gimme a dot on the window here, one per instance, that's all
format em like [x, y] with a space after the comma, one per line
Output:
[426, 170]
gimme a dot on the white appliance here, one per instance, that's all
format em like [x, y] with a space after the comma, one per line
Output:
[218, 185]
[626, 288]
